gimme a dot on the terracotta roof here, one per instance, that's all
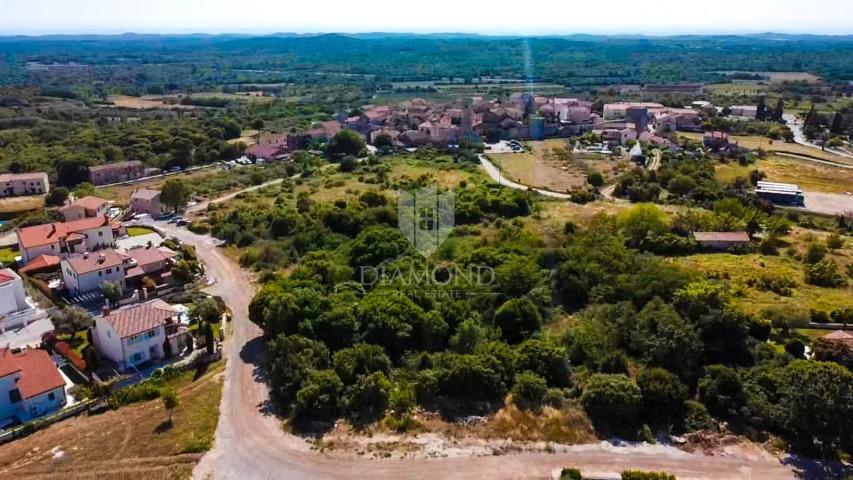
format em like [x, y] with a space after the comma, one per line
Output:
[135, 319]
[145, 194]
[145, 255]
[88, 202]
[84, 263]
[38, 372]
[115, 166]
[42, 262]
[263, 151]
[8, 177]
[53, 232]
[6, 275]
[721, 236]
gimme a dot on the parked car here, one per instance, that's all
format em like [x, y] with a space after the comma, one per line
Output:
[181, 222]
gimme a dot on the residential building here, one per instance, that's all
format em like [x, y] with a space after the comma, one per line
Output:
[152, 262]
[63, 238]
[30, 385]
[266, 153]
[614, 111]
[147, 201]
[715, 140]
[12, 296]
[19, 184]
[85, 272]
[743, 111]
[116, 172]
[86, 207]
[138, 333]
[721, 240]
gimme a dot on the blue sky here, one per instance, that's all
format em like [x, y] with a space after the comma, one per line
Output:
[36, 17]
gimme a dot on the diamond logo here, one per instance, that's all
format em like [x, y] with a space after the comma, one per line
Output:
[425, 217]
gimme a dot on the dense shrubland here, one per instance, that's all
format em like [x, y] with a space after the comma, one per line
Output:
[592, 319]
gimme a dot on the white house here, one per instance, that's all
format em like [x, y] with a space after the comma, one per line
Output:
[85, 272]
[15, 310]
[63, 238]
[138, 333]
[86, 207]
[12, 296]
[30, 385]
[147, 201]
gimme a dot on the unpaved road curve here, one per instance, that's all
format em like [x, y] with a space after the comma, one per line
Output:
[250, 443]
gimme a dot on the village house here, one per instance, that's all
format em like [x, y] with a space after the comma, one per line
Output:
[64, 238]
[12, 296]
[266, 153]
[86, 207]
[721, 240]
[116, 172]
[139, 333]
[743, 111]
[19, 184]
[147, 201]
[30, 386]
[153, 262]
[85, 272]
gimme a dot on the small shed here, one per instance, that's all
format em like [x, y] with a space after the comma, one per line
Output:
[721, 240]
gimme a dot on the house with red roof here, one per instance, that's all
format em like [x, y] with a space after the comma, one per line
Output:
[30, 385]
[86, 207]
[64, 238]
[139, 333]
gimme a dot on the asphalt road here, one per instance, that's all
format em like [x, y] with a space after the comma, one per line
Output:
[251, 444]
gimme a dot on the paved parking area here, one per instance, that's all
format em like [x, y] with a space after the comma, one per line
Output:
[127, 243]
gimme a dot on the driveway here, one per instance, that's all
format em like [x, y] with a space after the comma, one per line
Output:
[829, 203]
[493, 172]
[251, 444]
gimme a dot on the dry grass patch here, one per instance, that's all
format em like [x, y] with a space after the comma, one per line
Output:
[808, 175]
[568, 424]
[769, 145]
[131, 442]
[737, 270]
[21, 204]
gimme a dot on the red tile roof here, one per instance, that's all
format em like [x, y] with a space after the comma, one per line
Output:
[53, 232]
[84, 263]
[145, 194]
[721, 236]
[263, 151]
[135, 319]
[839, 336]
[146, 256]
[89, 202]
[6, 275]
[38, 372]
[42, 262]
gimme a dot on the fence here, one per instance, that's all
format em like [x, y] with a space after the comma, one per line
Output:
[21, 431]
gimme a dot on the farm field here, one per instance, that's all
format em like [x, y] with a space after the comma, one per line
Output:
[808, 175]
[145, 103]
[769, 145]
[546, 166]
[21, 204]
[131, 442]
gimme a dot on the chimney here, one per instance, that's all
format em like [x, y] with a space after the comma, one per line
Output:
[102, 258]
[85, 254]
[105, 310]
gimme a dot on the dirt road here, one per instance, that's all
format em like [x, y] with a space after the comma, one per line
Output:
[251, 444]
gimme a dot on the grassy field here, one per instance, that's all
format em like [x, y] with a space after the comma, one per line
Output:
[770, 145]
[545, 167]
[138, 231]
[809, 175]
[7, 255]
[737, 270]
[121, 193]
[21, 204]
[134, 441]
[736, 89]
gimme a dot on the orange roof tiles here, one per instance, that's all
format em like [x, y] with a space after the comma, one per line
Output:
[53, 232]
[135, 319]
[38, 372]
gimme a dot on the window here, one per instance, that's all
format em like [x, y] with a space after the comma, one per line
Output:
[14, 396]
[136, 357]
[100, 234]
[109, 270]
[151, 334]
[100, 273]
[51, 396]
